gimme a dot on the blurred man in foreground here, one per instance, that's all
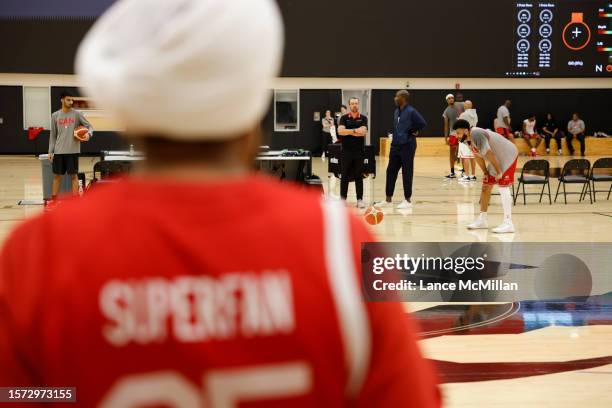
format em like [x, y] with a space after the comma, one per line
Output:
[209, 286]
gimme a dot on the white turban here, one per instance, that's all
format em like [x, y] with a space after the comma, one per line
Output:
[184, 69]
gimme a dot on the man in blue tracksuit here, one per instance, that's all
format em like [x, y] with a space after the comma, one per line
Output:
[407, 122]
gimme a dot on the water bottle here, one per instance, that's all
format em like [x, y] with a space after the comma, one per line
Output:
[131, 150]
[81, 188]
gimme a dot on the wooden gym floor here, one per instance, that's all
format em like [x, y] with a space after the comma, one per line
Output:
[522, 354]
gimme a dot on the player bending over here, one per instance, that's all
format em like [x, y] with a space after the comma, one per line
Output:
[496, 156]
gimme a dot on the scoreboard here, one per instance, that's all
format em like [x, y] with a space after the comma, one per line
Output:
[562, 38]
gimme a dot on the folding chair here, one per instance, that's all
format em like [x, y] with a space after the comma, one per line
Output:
[597, 175]
[109, 170]
[575, 171]
[534, 172]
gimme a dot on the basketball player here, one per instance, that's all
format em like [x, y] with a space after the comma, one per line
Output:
[531, 135]
[194, 298]
[496, 156]
[465, 152]
[450, 116]
[502, 122]
[551, 131]
[64, 148]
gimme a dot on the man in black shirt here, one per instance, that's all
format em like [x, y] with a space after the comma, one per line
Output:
[551, 130]
[353, 128]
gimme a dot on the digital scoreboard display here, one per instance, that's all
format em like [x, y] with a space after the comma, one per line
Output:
[562, 38]
[396, 38]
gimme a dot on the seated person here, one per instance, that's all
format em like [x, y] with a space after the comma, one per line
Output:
[550, 131]
[530, 134]
[576, 128]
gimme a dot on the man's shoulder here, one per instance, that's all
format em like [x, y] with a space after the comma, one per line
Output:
[479, 132]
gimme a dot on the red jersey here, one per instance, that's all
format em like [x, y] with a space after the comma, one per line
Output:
[183, 294]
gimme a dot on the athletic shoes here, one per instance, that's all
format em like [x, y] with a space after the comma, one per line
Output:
[360, 204]
[560, 152]
[464, 178]
[404, 205]
[51, 205]
[473, 178]
[505, 227]
[384, 204]
[547, 151]
[450, 176]
[478, 224]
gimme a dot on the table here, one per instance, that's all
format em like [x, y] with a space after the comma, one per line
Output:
[267, 160]
[120, 155]
[273, 161]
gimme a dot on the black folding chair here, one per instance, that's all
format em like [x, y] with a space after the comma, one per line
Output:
[534, 172]
[109, 170]
[601, 172]
[575, 171]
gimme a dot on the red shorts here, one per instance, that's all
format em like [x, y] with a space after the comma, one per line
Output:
[533, 136]
[452, 140]
[505, 132]
[506, 179]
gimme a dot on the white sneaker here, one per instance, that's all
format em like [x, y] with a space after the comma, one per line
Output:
[360, 204]
[464, 178]
[384, 204]
[404, 205]
[505, 227]
[478, 224]
[560, 152]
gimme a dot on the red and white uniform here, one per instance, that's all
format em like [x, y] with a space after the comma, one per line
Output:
[529, 129]
[506, 153]
[163, 293]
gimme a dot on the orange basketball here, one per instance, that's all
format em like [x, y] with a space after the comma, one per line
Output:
[373, 215]
[81, 133]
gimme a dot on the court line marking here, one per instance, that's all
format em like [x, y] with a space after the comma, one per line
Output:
[513, 213]
[507, 314]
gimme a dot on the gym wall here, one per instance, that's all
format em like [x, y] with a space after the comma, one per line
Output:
[14, 139]
[592, 104]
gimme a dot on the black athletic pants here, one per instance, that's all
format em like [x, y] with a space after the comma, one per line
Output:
[580, 138]
[558, 137]
[351, 167]
[401, 157]
[327, 140]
